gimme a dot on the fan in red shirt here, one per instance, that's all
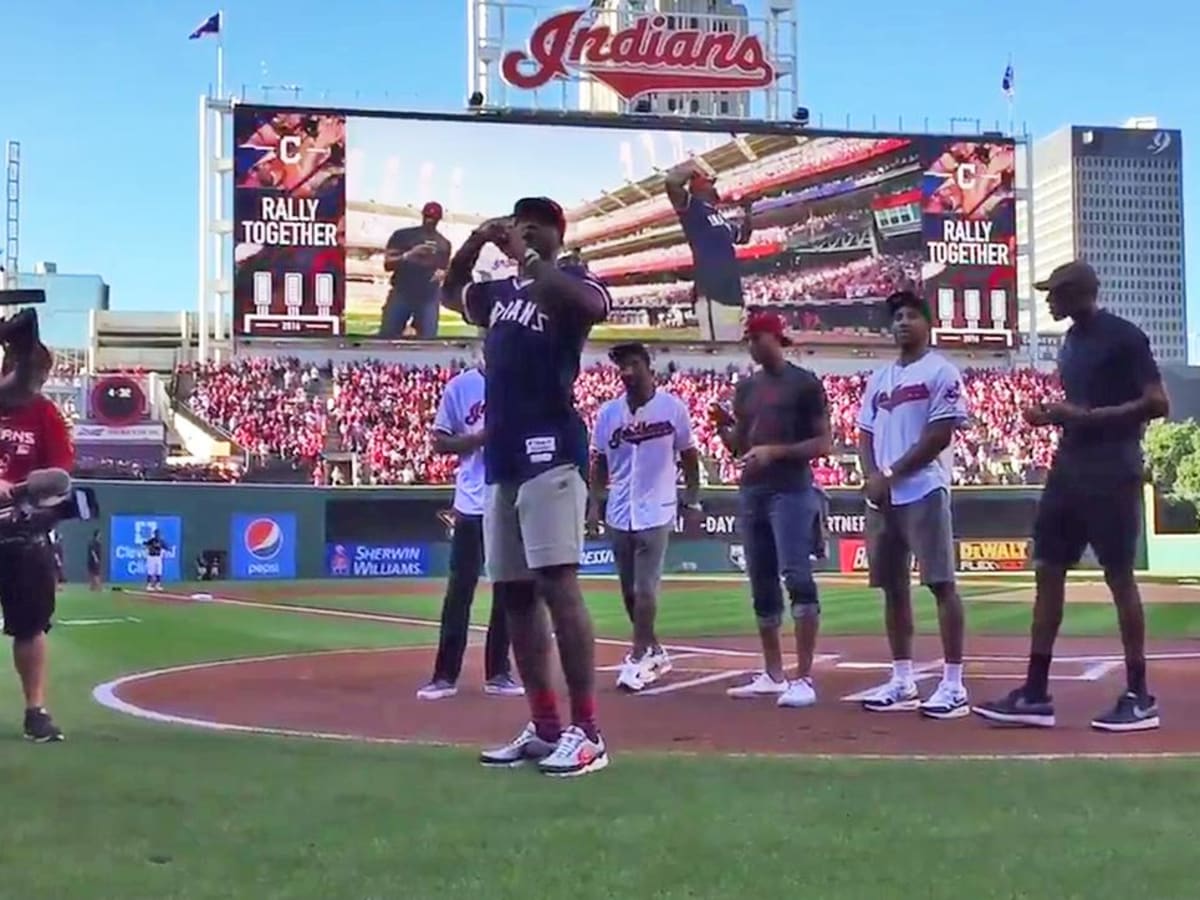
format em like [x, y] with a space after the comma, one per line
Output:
[33, 436]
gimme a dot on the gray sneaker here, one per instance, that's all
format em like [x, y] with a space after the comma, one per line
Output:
[525, 747]
[503, 686]
[438, 689]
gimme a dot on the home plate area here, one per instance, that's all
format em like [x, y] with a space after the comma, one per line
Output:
[370, 695]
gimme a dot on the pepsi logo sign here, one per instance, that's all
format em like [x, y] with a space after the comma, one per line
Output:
[263, 539]
[263, 545]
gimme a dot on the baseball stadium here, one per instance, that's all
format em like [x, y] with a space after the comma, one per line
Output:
[271, 677]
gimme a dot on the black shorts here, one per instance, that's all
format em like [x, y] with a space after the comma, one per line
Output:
[1077, 511]
[28, 577]
[725, 290]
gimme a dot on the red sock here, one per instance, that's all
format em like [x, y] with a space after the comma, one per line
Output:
[583, 714]
[543, 705]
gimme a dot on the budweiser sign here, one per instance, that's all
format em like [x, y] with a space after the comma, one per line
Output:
[647, 56]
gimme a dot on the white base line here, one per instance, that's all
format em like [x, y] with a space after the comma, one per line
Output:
[105, 695]
[1090, 658]
[690, 683]
[120, 620]
[1098, 670]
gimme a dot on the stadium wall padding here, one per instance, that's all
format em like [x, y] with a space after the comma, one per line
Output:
[349, 532]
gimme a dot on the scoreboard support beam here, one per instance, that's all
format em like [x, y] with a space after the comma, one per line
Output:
[214, 301]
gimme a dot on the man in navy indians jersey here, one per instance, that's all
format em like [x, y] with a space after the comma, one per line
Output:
[718, 283]
[535, 453]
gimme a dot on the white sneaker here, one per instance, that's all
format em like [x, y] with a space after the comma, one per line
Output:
[895, 696]
[949, 701]
[634, 674]
[800, 693]
[576, 754]
[763, 685]
[638, 674]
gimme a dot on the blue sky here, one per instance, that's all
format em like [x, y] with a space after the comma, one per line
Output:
[106, 106]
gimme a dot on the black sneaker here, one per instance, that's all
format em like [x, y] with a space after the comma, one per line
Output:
[1018, 709]
[1132, 713]
[40, 728]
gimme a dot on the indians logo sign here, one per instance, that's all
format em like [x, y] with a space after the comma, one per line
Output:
[647, 56]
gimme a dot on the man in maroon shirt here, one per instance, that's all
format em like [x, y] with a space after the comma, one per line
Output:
[33, 436]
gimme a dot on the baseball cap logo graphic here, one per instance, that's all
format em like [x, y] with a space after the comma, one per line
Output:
[263, 538]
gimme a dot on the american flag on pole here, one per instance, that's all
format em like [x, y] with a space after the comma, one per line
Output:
[1008, 82]
[211, 25]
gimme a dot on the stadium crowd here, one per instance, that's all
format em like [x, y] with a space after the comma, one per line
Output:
[383, 412]
[867, 277]
[804, 161]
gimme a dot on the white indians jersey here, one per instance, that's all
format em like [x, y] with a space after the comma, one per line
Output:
[461, 412]
[642, 450]
[899, 401]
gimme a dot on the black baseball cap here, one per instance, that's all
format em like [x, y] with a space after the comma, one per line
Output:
[541, 209]
[1077, 274]
[901, 299]
[621, 352]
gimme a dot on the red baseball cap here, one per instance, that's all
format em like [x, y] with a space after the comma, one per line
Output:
[766, 322]
[432, 210]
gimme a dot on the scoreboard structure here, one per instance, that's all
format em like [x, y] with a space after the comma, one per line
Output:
[308, 212]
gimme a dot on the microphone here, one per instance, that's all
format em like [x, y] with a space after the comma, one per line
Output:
[44, 487]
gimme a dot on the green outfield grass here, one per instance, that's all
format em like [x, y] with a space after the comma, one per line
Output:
[129, 809]
[696, 610]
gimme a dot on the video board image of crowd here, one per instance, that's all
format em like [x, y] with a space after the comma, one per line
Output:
[817, 226]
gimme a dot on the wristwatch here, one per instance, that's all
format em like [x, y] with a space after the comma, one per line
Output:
[886, 471]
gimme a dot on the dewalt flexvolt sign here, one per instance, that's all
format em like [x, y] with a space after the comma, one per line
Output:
[993, 556]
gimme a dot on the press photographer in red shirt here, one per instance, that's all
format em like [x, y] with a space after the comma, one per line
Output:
[33, 436]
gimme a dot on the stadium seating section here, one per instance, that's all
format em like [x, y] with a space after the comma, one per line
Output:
[293, 413]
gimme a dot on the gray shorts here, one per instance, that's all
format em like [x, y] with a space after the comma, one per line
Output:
[640, 556]
[898, 533]
[536, 524]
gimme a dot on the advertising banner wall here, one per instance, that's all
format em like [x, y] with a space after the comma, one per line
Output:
[1012, 555]
[197, 517]
[262, 545]
[377, 561]
[127, 550]
[427, 516]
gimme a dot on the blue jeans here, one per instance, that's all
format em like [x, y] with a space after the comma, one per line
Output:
[398, 311]
[777, 532]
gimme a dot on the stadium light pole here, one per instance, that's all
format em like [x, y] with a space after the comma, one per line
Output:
[202, 235]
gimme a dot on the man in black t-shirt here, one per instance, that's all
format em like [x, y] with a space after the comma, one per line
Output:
[779, 424]
[1093, 493]
[417, 258]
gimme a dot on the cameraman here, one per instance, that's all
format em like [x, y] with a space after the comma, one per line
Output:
[33, 436]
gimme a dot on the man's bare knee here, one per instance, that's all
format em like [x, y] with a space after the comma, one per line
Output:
[1122, 584]
[558, 584]
[944, 592]
[1049, 573]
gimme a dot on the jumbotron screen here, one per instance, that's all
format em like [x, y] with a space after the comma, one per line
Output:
[345, 223]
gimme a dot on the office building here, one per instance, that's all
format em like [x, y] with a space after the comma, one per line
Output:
[63, 318]
[1114, 197]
